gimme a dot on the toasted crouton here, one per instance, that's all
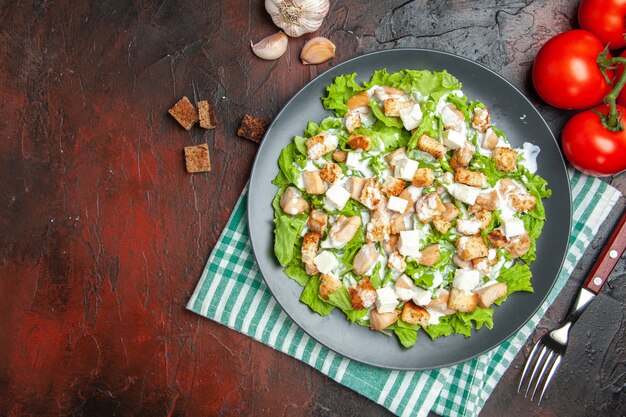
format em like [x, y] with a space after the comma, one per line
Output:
[361, 99]
[371, 194]
[430, 255]
[252, 128]
[481, 119]
[363, 295]
[470, 247]
[431, 146]
[313, 182]
[462, 300]
[442, 225]
[378, 228]
[519, 246]
[331, 172]
[360, 142]
[396, 262]
[486, 201]
[397, 223]
[487, 295]
[354, 185]
[423, 177]
[483, 217]
[380, 321]
[185, 113]
[340, 156]
[317, 222]
[523, 202]
[471, 178]
[197, 158]
[310, 246]
[206, 114]
[490, 140]
[329, 283]
[393, 186]
[506, 158]
[497, 239]
[393, 106]
[394, 157]
[413, 314]
[462, 156]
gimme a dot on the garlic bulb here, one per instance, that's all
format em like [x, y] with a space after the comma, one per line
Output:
[317, 50]
[297, 17]
[272, 47]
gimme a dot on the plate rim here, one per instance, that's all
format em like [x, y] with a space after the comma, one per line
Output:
[562, 165]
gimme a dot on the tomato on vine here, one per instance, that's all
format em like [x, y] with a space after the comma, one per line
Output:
[594, 141]
[606, 19]
[566, 74]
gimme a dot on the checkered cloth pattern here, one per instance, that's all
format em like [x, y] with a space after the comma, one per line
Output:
[232, 292]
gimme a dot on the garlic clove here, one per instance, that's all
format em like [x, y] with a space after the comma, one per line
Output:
[272, 47]
[297, 17]
[317, 50]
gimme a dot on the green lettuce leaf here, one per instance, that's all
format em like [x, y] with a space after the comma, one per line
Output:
[289, 173]
[516, 278]
[287, 232]
[310, 296]
[434, 84]
[339, 92]
[387, 120]
[461, 323]
[407, 337]
[295, 270]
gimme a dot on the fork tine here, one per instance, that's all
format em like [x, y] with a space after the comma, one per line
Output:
[528, 362]
[555, 366]
[542, 373]
[532, 376]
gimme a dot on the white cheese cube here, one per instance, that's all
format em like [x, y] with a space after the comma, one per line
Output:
[386, 300]
[466, 279]
[411, 116]
[353, 160]
[336, 197]
[464, 193]
[397, 204]
[325, 262]
[421, 297]
[453, 139]
[512, 226]
[409, 243]
[405, 169]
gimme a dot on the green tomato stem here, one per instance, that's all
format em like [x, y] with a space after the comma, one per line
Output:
[612, 121]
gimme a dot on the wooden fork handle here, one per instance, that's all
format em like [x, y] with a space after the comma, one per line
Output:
[609, 257]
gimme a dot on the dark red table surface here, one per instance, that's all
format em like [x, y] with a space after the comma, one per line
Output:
[103, 234]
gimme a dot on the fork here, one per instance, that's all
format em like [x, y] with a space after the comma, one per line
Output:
[551, 348]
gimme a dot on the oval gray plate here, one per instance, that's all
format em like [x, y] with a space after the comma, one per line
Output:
[512, 113]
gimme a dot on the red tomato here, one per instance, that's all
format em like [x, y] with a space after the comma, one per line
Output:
[566, 74]
[591, 147]
[606, 19]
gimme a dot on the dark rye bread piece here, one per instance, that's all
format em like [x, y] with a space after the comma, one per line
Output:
[185, 113]
[252, 128]
[206, 112]
[197, 158]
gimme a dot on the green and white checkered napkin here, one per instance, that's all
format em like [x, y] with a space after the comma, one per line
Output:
[232, 292]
